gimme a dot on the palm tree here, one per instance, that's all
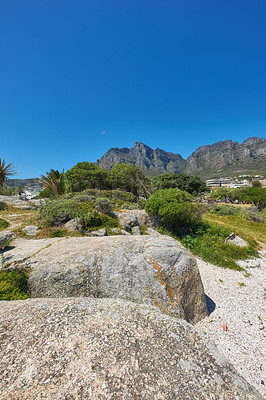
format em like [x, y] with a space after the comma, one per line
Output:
[5, 171]
[53, 181]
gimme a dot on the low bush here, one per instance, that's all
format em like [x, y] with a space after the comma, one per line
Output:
[223, 209]
[3, 224]
[103, 205]
[59, 211]
[13, 285]
[174, 207]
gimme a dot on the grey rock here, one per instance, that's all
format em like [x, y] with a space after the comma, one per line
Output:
[236, 240]
[152, 232]
[125, 233]
[83, 348]
[2, 205]
[61, 219]
[116, 231]
[136, 230]
[5, 236]
[31, 230]
[143, 269]
[24, 207]
[74, 225]
[100, 232]
[130, 218]
[127, 219]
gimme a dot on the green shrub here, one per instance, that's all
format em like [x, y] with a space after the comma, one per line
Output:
[103, 205]
[174, 207]
[189, 183]
[3, 224]
[13, 285]
[85, 175]
[54, 211]
[222, 209]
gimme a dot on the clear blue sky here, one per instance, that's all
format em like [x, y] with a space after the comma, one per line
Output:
[78, 77]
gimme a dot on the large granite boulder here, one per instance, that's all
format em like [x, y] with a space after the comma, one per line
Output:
[142, 269]
[80, 348]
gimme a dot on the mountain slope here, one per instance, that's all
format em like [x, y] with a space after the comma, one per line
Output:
[227, 158]
[221, 158]
[149, 160]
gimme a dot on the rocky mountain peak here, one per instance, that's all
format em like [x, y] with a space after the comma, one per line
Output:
[224, 157]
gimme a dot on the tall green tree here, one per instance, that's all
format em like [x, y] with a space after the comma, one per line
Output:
[53, 182]
[189, 183]
[130, 178]
[5, 171]
[85, 175]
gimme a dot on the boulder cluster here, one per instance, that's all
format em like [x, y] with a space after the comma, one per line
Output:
[110, 318]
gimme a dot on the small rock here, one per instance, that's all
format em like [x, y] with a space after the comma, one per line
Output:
[74, 225]
[5, 236]
[2, 205]
[30, 230]
[100, 232]
[123, 232]
[116, 231]
[136, 230]
[236, 240]
[225, 327]
[152, 232]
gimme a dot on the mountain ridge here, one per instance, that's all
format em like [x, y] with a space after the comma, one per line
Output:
[219, 158]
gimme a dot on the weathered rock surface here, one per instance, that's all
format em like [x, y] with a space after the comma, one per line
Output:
[152, 232]
[131, 218]
[136, 230]
[99, 233]
[125, 233]
[23, 249]
[5, 236]
[58, 349]
[74, 225]
[142, 269]
[31, 230]
[236, 240]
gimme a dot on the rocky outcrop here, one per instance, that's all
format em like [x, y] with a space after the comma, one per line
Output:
[74, 348]
[142, 269]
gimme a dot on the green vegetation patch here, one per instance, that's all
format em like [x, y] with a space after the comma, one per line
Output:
[249, 230]
[208, 242]
[81, 207]
[174, 207]
[14, 285]
[3, 224]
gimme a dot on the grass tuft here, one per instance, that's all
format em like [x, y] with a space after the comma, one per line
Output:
[14, 285]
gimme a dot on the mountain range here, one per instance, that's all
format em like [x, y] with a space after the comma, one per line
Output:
[225, 158]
